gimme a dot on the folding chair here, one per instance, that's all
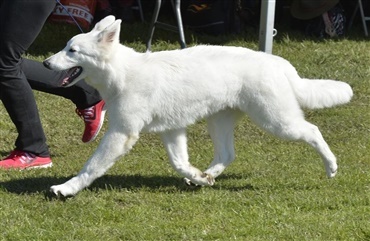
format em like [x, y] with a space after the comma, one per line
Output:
[364, 18]
[154, 23]
[139, 8]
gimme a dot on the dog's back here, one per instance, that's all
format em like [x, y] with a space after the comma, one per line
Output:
[219, 74]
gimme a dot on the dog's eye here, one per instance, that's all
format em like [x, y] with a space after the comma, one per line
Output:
[71, 50]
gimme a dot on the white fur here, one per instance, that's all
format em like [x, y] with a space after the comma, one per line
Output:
[166, 91]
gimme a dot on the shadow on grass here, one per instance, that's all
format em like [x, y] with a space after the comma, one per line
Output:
[39, 184]
[29, 186]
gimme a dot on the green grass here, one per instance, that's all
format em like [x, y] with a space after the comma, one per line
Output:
[274, 190]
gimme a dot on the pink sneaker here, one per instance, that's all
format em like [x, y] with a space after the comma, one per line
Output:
[93, 118]
[24, 160]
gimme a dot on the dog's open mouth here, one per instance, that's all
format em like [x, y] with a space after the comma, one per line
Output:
[70, 75]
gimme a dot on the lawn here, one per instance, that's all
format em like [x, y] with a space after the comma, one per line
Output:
[274, 190]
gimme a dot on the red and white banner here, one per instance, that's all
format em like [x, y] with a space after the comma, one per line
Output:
[82, 10]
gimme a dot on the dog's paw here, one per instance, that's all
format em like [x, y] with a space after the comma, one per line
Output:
[210, 179]
[331, 171]
[190, 184]
[205, 180]
[62, 191]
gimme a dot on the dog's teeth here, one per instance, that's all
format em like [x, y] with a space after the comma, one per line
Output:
[75, 72]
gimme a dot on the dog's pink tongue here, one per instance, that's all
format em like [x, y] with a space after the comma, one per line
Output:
[65, 81]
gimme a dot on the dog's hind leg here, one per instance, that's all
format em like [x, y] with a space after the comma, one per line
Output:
[113, 145]
[221, 129]
[175, 142]
[310, 134]
[290, 124]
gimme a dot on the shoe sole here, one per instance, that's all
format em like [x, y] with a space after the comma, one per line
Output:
[38, 167]
[99, 127]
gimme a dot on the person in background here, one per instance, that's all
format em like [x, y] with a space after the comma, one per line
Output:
[20, 23]
[121, 9]
[320, 18]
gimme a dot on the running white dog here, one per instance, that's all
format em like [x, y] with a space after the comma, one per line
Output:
[166, 91]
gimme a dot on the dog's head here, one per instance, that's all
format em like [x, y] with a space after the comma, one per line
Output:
[85, 51]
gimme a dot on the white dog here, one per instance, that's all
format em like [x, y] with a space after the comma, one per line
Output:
[166, 91]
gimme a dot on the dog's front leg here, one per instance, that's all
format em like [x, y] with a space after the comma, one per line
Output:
[176, 146]
[108, 151]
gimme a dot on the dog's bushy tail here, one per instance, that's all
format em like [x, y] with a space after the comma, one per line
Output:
[320, 93]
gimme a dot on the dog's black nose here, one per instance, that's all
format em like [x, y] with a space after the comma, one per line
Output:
[46, 64]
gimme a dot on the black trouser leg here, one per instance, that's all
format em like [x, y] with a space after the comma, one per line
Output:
[20, 23]
[20, 103]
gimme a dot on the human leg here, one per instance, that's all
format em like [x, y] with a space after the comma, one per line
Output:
[20, 23]
[90, 106]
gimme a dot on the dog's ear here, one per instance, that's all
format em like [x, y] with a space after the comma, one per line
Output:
[111, 33]
[105, 22]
